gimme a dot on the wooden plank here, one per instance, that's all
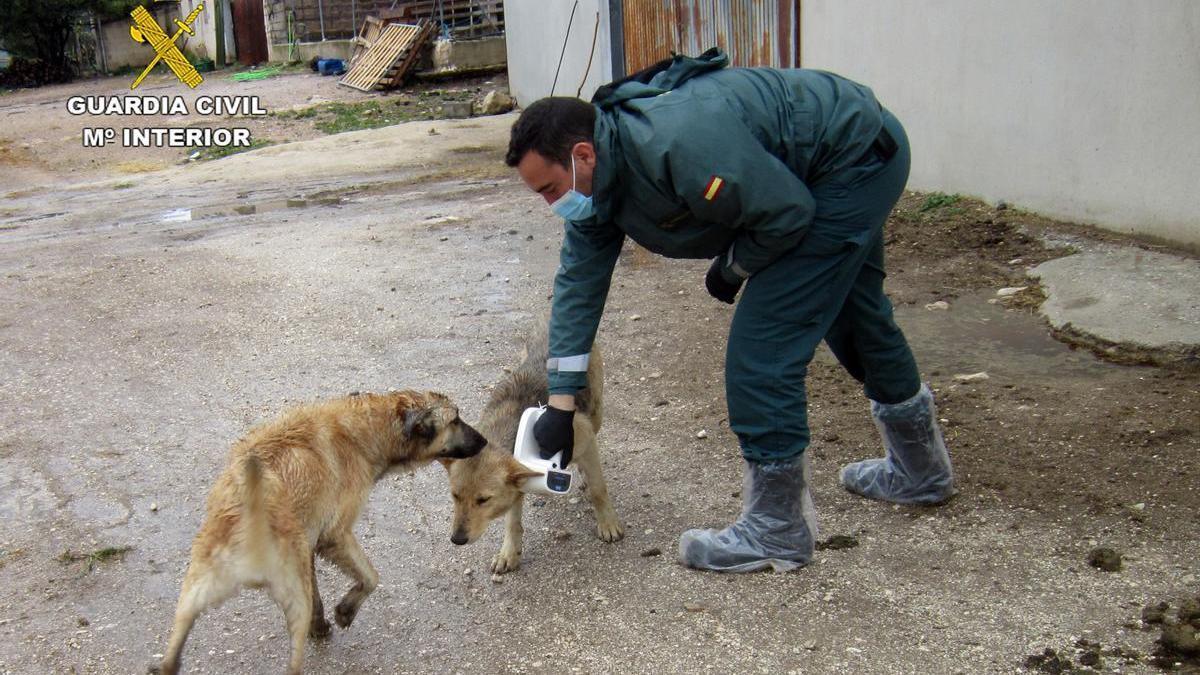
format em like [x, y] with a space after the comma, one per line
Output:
[366, 37]
[394, 42]
[374, 62]
[409, 60]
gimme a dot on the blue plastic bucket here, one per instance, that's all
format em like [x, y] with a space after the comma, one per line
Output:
[331, 66]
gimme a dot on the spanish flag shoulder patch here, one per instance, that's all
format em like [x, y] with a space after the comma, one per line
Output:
[713, 187]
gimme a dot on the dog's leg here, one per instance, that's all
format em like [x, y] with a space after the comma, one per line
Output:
[291, 589]
[199, 592]
[320, 627]
[509, 557]
[587, 452]
[348, 555]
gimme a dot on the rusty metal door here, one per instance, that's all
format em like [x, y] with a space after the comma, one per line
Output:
[752, 32]
[250, 31]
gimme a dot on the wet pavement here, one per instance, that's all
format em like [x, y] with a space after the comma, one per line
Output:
[138, 344]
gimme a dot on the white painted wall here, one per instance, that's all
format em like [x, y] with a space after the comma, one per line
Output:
[204, 42]
[1087, 110]
[535, 30]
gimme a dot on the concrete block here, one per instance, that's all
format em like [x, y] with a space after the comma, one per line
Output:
[456, 109]
[496, 102]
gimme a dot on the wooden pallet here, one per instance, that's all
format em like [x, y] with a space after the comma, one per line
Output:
[388, 58]
[461, 18]
[366, 37]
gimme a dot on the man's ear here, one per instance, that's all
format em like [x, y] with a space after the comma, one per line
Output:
[419, 422]
[584, 153]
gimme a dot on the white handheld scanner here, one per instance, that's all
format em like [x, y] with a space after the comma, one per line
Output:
[555, 480]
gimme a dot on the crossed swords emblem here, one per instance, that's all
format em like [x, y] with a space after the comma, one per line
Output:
[147, 30]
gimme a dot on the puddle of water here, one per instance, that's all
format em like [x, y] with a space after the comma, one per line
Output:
[246, 209]
[176, 216]
[25, 494]
[43, 216]
[100, 511]
[975, 336]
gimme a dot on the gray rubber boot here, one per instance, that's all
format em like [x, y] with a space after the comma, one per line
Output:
[916, 468]
[777, 527]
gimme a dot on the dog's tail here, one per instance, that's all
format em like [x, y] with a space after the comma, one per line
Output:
[532, 370]
[256, 524]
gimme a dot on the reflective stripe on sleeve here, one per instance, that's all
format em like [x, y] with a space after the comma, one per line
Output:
[568, 364]
[737, 269]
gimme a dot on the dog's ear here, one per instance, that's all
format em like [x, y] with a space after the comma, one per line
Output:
[420, 423]
[518, 478]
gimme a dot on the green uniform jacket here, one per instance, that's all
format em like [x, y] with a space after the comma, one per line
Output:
[702, 161]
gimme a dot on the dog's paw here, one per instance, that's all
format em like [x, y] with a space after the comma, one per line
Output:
[610, 530]
[504, 562]
[320, 628]
[344, 614]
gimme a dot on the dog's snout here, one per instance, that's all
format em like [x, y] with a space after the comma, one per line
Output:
[476, 440]
[461, 452]
[458, 538]
[471, 444]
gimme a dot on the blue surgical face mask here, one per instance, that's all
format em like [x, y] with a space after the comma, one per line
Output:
[573, 205]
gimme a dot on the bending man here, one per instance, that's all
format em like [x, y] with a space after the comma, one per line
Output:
[785, 179]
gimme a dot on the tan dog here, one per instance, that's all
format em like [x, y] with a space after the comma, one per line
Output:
[294, 487]
[488, 485]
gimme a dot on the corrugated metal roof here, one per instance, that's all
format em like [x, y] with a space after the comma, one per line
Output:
[753, 32]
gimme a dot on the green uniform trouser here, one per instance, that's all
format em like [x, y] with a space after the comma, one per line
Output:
[830, 286]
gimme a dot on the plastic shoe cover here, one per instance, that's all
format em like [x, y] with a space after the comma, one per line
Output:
[917, 468]
[777, 527]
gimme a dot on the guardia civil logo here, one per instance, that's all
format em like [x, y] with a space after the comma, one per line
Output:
[146, 30]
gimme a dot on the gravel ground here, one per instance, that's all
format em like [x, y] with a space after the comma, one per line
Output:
[136, 347]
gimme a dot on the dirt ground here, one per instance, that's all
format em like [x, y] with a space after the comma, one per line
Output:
[137, 345]
[41, 141]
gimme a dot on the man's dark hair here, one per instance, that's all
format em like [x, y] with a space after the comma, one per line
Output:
[551, 127]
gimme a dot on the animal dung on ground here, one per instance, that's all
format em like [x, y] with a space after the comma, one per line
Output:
[1105, 558]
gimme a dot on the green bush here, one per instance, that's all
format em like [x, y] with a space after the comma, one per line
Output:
[937, 200]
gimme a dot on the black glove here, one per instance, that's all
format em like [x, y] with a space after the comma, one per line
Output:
[555, 431]
[718, 284]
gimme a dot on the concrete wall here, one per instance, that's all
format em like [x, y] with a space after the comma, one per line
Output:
[305, 51]
[120, 50]
[1087, 110]
[535, 33]
[447, 57]
[466, 56]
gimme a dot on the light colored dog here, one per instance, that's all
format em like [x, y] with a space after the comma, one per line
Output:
[488, 485]
[294, 488]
